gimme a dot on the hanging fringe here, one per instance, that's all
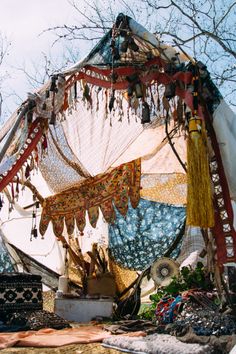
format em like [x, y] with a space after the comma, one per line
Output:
[200, 210]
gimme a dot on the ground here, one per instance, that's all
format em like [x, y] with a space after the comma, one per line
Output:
[67, 349]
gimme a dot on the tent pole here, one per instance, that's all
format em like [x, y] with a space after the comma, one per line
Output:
[14, 129]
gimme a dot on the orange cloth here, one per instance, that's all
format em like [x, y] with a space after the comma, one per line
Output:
[56, 338]
[53, 338]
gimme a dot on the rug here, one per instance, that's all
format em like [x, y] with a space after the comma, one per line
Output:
[155, 344]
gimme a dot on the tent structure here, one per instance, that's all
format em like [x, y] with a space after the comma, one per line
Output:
[134, 136]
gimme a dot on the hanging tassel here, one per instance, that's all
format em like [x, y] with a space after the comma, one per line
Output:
[27, 171]
[200, 210]
[34, 231]
[1, 202]
[112, 101]
[17, 185]
[12, 192]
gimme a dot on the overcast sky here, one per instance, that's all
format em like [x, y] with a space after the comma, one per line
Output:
[22, 22]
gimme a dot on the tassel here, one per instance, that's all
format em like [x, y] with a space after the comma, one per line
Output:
[17, 184]
[27, 171]
[112, 101]
[12, 192]
[200, 210]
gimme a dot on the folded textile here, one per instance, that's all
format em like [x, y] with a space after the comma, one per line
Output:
[154, 344]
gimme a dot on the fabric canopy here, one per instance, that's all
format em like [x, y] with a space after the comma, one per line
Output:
[118, 106]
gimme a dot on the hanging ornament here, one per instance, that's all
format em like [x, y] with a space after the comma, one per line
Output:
[34, 231]
[112, 100]
[86, 94]
[170, 90]
[75, 90]
[145, 113]
[12, 192]
[27, 171]
[1, 202]
[53, 118]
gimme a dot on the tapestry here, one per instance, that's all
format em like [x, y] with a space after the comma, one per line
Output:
[145, 234]
[118, 186]
[20, 291]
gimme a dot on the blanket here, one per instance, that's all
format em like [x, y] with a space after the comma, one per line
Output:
[49, 337]
[155, 344]
[52, 338]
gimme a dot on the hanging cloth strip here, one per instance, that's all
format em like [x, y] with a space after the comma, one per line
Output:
[145, 234]
[117, 186]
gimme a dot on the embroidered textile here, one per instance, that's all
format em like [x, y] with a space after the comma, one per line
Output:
[145, 234]
[101, 191]
[20, 291]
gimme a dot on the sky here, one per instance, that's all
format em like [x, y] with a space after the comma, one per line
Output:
[22, 22]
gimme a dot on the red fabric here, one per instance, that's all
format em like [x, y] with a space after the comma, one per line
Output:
[163, 78]
[15, 168]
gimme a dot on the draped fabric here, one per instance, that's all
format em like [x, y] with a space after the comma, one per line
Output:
[5, 261]
[145, 234]
[69, 206]
[54, 163]
[97, 138]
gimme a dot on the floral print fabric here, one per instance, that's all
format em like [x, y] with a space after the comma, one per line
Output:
[5, 261]
[145, 234]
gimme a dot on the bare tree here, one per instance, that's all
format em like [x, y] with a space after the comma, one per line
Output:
[4, 48]
[37, 73]
[204, 28]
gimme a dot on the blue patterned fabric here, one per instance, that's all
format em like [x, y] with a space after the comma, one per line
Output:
[5, 261]
[145, 234]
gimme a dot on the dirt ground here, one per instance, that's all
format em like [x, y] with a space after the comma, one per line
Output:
[67, 349]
